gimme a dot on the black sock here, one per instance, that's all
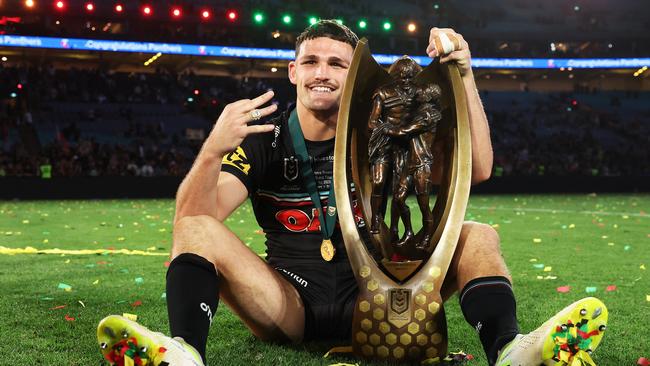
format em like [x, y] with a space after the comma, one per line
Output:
[489, 305]
[192, 299]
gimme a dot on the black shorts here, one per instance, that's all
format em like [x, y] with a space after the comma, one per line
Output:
[328, 291]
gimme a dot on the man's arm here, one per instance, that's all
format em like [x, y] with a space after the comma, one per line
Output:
[207, 191]
[482, 154]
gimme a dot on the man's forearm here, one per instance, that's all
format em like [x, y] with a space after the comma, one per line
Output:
[197, 194]
[482, 154]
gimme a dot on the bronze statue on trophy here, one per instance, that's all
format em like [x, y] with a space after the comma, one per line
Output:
[402, 127]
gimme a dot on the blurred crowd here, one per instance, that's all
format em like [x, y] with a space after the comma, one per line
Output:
[94, 122]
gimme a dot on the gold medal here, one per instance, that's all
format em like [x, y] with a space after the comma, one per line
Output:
[327, 250]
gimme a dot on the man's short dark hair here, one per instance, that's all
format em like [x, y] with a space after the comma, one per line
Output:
[330, 29]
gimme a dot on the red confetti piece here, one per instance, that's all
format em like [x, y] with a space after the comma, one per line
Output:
[469, 357]
[58, 307]
[611, 288]
[643, 361]
[162, 350]
[136, 303]
[69, 318]
[167, 264]
[564, 289]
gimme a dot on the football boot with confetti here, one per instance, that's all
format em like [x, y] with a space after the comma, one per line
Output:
[124, 342]
[568, 338]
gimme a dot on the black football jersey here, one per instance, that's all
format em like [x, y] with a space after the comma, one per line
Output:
[269, 168]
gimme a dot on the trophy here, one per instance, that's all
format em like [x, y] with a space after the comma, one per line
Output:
[390, 125]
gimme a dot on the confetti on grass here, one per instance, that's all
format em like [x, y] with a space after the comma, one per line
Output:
[590, 289]
[64, 287]
[564, 289]
[611, 288]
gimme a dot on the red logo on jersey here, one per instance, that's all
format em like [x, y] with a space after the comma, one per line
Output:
[296, 220]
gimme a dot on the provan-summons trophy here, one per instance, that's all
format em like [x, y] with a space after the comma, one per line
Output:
[393, 128]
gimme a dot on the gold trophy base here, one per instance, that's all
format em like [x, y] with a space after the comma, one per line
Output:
[399, 324]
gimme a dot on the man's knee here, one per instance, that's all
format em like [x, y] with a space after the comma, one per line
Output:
[195, 234]
[480, 237]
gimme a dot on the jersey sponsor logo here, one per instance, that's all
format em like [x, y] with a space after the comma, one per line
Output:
[237, 159]
[297, 221]
[290, 169]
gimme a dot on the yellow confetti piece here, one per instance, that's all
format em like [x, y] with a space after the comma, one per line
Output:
[540, 277]
[95, 282]
[548, 269]
[537, 240]
[604, 236]
[642, 267]
[162, 230]
[625, 217]
[130, 316]
[25, 221]
[121, 238]
[128, 361]
[610, 244]
[496, 226]
[572, 226]
[533, 260]
[151, 248]
[67, 289]
[82, 303]
[45, 241]
[647, 297]
[67, 261]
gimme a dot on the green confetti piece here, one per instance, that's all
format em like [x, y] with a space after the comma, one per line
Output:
[47, 298]
[164, 295]
[139, 280]
[590, 289]
[538, 265]
[64, 286]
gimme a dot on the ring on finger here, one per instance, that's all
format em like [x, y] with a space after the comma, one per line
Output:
[255, 114]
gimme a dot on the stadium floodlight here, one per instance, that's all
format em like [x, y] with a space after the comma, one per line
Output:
[313, 20]
[29, 3]
[147, 10]
[119, 8]
[286, 19]
[363, 24]
[258, 17]
[59, 5]
[387, 26]
[232, 15]
[205, 14]
[177, 12]
[90, 7]
[411, 27]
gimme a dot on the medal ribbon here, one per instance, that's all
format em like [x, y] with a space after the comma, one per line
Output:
[327, 219]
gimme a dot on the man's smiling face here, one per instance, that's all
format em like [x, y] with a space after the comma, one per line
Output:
[319, 73]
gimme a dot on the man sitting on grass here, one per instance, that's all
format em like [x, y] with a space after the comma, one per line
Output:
[296, 295]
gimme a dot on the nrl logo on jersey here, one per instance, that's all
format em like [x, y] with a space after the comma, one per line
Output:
[290, 169]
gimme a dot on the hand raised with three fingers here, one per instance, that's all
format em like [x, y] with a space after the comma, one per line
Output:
[232, 126]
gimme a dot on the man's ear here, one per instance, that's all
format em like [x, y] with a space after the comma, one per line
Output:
[292, 72]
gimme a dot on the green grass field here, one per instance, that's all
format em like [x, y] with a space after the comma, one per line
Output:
[583, 241]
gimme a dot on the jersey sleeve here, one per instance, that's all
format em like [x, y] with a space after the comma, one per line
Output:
[247, 162]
